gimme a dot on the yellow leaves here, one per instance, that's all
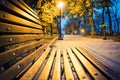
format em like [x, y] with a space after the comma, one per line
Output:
[54, 11]
[77, 7]
[90, 12]
[87, 3]
[44, 24]
[82, 13]
[49, 12]
[46, 6]
[72, 4]
[75, 16]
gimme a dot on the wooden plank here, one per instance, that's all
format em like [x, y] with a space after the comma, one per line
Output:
[24, 8]
[27, 6]
[53, 41]
[112, 75]
[16, 52]
[24, 70]
[91, 69]
[35, 67]
[10, 28]
[5, 16]
[57, 68]
[14, 70]
[67, 68]
[46, 71]
[49, 36]
[17, 11]
[13, 39]
[79, 70]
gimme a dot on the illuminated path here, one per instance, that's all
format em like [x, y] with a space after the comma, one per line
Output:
[106, 51]
[68, 41]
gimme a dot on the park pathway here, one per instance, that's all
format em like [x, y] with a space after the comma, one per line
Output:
[68, 41]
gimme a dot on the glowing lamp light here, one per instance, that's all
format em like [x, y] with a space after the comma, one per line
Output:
[82, 30]
[60, 4]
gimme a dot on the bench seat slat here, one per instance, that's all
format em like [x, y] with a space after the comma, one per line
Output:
[113, 75]
[22, 5]
[16, 52]
[14, 70]
[21, 1]
[5, 16]
[57, 68]
[35, 67]
[79, 70]
[12, 39]
[92, 70]
[17, 10]
[46, 70]
[10, 28]
[67, 68]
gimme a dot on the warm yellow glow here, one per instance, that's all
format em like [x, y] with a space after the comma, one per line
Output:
[82, 30]
[60, 4]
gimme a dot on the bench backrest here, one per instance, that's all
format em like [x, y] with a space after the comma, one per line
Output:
[21, 40]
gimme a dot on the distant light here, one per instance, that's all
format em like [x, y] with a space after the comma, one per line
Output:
[82, 30]
[60, 4]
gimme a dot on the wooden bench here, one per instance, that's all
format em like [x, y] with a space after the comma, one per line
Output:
[21, 39]
[25, 55]
[67, 64]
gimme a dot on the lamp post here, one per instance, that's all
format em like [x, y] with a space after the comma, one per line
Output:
[60, 6]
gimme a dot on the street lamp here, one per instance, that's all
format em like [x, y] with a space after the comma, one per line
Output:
[60, 6]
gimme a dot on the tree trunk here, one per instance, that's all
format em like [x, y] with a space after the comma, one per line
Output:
[103, 19]
[92, 22]
[85, 31]
[85, 16]
[51, 29]
[117, 23]
[110, 21]
[92, 29]
[116, 15]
